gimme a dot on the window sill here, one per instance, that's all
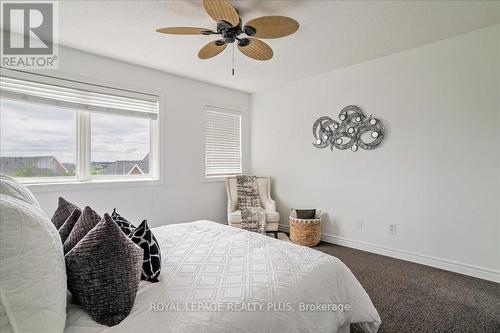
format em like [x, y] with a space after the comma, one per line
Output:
[71, 185]
[215, 179]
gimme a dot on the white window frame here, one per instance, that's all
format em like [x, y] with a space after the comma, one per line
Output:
[83, 128]
[219, 178]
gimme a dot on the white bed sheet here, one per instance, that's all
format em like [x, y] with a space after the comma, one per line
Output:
[208, 265]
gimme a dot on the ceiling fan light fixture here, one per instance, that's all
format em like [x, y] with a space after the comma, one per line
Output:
[229, 39]
[249, 31]
[223, 25]
[230, 26]
[243, 42]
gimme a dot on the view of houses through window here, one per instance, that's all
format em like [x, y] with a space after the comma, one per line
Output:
[37, 140]
[120, 145]
[40, 141]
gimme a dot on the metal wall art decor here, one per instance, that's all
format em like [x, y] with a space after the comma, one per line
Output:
[354, 131]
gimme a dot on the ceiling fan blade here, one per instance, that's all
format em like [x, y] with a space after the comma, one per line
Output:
[272, 26]
[255, 49]
[222, 10]
[185, 31]
[212, 49]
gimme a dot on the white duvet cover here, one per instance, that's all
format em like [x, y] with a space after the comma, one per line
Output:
[217, 278]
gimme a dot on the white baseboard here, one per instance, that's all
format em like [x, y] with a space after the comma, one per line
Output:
[449, 265]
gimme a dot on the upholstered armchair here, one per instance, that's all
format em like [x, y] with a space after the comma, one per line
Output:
[271, 216]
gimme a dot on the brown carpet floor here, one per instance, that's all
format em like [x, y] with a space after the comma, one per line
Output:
[415, 298]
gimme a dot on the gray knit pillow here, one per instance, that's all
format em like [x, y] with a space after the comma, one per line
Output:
[66, 228]
[85, 223]
[305, 214]
[63, 211]
[104, 270]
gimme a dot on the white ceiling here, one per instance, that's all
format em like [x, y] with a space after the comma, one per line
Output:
[332, 34]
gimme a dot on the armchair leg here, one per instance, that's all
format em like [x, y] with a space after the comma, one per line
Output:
[275, 234]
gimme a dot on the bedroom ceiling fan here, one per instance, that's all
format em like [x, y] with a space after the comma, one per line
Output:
[229, 27]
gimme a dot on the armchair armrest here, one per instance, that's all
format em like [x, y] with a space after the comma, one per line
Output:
[270, 205]
[232, 206]
[229, 208]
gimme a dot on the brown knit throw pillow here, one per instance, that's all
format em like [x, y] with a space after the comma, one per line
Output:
[66, 228]
[63, 211]
[85, 223]
[104, 270]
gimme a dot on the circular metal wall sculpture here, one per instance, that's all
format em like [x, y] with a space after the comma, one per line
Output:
[354, 131]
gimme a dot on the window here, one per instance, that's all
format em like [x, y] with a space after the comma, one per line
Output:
[58, 130]
[37, 140]
[119, 150]
[222, 142]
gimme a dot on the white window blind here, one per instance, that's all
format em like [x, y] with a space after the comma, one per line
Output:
[222, 142]
[77, 95]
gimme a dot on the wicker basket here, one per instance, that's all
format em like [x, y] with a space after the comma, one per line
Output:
[305, 232]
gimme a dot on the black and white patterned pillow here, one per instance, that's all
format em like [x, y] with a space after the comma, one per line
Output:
[151, 266]
[125, 225]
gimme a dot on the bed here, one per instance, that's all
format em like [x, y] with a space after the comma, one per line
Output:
[217, 278]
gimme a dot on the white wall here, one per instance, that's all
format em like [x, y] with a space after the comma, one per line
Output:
[183, 196]
[437, 175]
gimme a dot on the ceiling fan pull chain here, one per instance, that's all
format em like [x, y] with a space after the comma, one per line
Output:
[233, 61]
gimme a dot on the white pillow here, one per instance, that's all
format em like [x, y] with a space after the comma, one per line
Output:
[12, 187]
[32, 269]
[4, 321]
